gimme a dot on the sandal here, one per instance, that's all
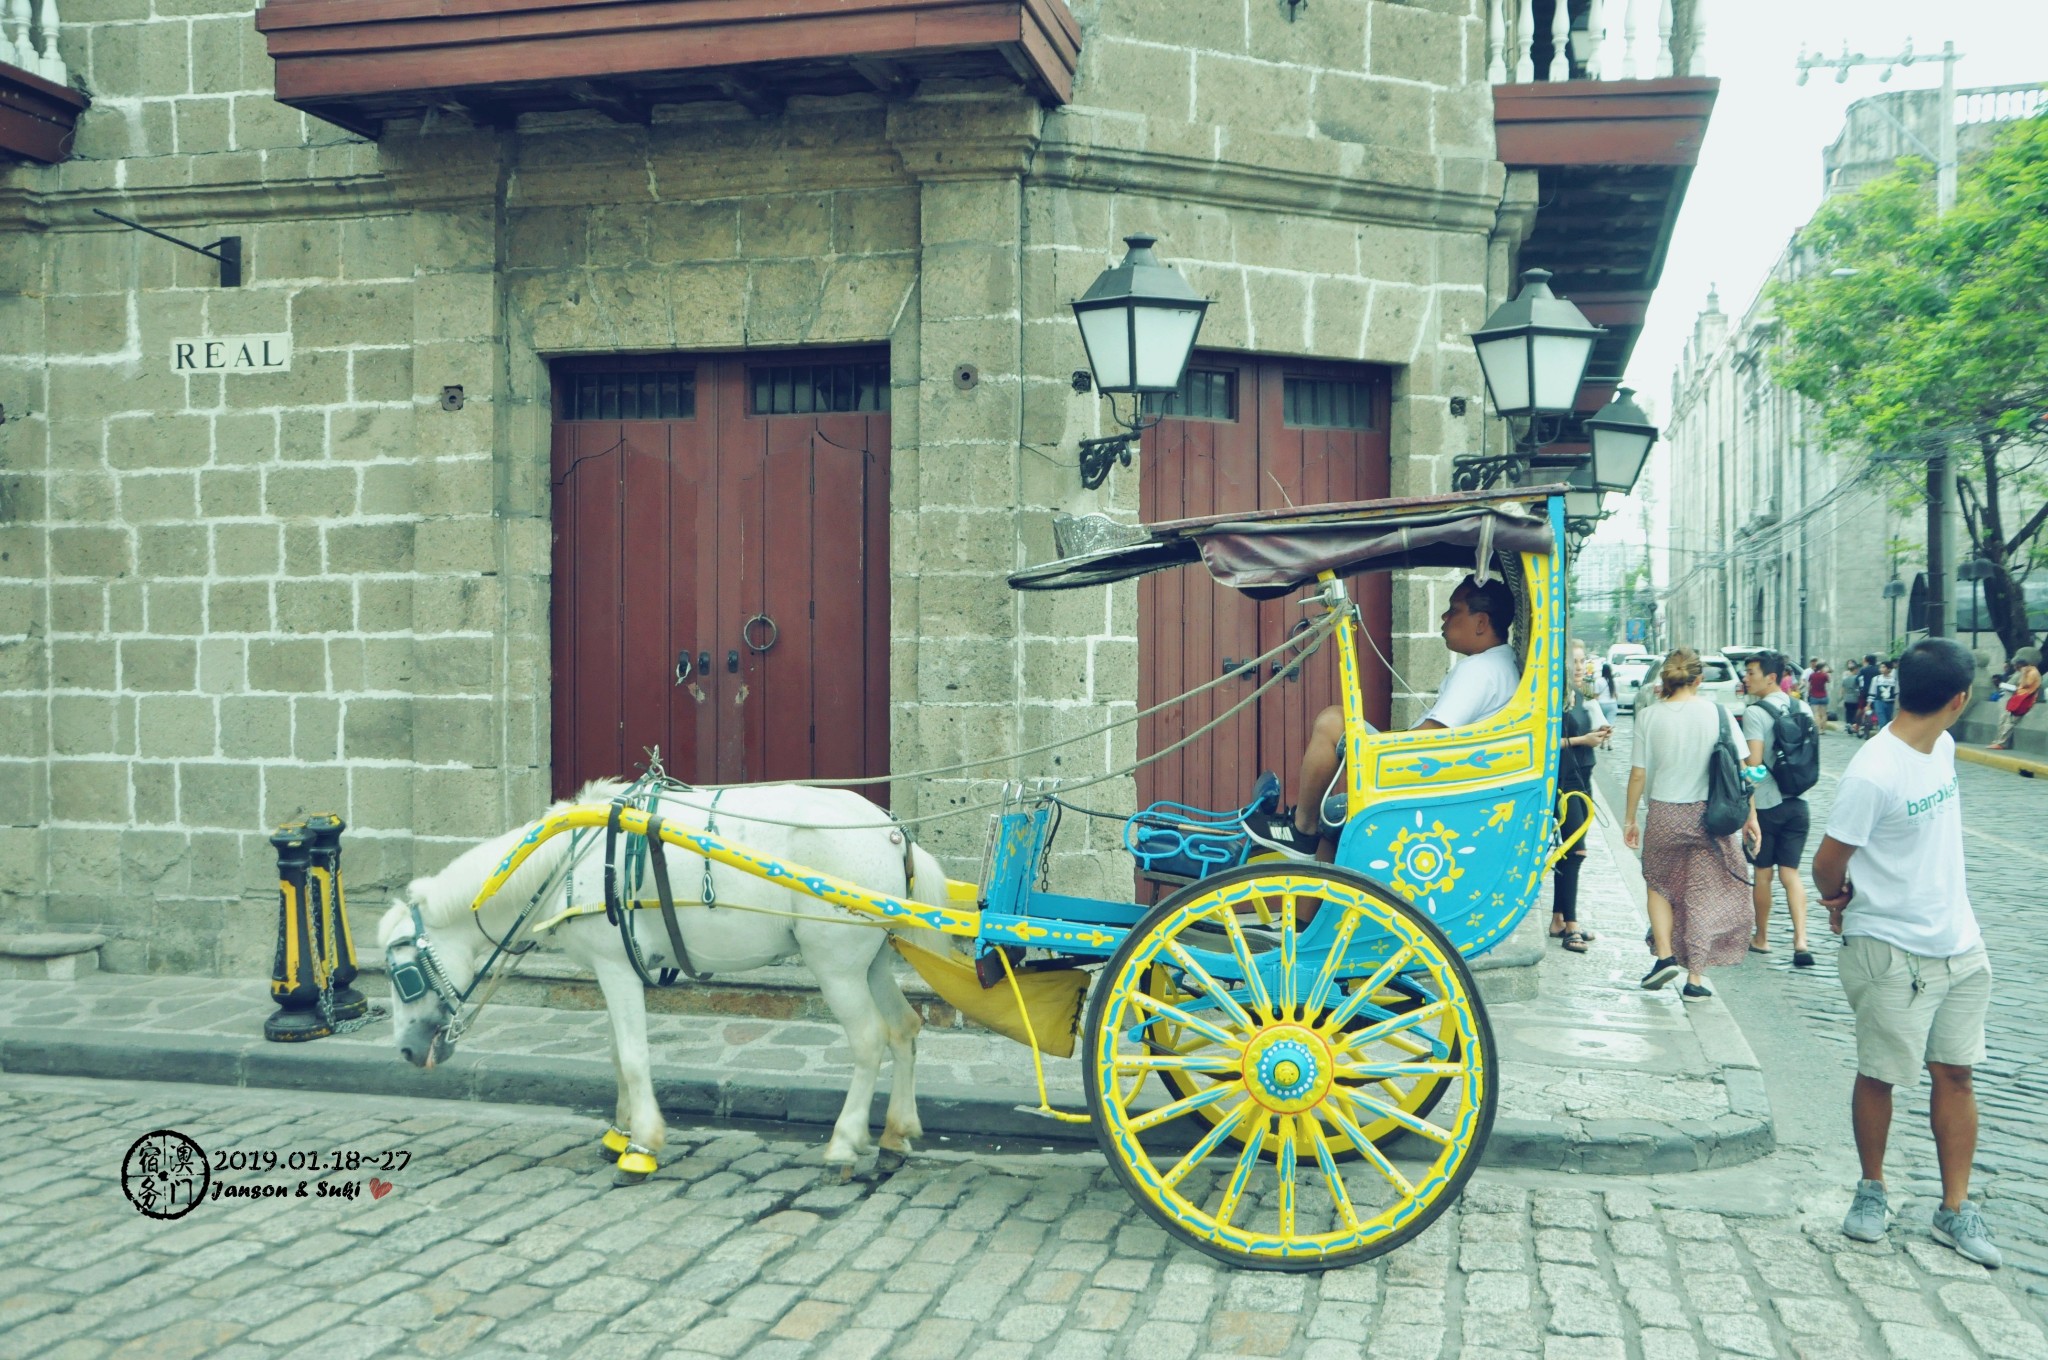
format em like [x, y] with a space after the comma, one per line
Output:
[1575, 941]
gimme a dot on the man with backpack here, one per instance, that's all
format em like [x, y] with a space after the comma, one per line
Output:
[1782, 739]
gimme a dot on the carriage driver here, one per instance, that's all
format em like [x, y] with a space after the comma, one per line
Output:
[1480, 684]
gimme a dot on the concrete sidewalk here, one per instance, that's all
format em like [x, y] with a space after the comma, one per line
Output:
[1597, 1075]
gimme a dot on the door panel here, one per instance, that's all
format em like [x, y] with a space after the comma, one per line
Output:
[672, 532]
[1295, 434]
[1188, 626]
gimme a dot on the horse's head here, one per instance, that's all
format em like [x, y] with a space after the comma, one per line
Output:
[429, 968]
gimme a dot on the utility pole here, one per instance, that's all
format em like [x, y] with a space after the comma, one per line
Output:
[1942, 505]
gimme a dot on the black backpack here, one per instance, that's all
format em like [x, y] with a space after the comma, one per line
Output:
[1727, 792]
[1796, 741]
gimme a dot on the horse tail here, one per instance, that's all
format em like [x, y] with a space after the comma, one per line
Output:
[927, 885]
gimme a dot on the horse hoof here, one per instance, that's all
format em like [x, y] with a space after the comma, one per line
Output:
[615, 1140]
[888, 1163]
[636, 1164]
[845, 1174]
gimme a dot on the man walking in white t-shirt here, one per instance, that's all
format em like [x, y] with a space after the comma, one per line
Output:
[1912, 963]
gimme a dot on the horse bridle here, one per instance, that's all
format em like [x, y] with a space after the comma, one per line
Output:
[424, 972]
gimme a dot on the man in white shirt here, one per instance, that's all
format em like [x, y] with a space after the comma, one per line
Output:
[1913, 963]
[1479, 685]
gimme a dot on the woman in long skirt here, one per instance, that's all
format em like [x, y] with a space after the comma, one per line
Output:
[1700, 913]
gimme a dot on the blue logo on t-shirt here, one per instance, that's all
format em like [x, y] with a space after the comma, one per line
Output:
[1933, 801]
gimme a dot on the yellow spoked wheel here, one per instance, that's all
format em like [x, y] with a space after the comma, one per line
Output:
[1414, 1093]
[1273, 1079]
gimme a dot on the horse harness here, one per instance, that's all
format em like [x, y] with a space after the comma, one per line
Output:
[618, 911]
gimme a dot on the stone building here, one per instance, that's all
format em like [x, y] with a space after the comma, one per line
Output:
[688, 375]
[1772, 539]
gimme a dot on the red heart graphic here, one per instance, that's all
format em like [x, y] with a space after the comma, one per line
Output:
[379, 1189]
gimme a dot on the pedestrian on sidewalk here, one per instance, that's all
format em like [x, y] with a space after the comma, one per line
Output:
[2026, 676]
[1913, 964]
[1851, 685]
[1698, 884]
[1782, 739]
[1817, 693]
[1586, 729]
[1884, 692]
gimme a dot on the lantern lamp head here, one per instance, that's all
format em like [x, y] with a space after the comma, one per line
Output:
[1139, 320]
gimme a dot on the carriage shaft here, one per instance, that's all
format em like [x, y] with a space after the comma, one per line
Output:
[795, 877]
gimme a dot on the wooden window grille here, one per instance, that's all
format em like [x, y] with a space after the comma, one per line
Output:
[665, 395]
[1205, 394]
[1327, 403]
[815, 389]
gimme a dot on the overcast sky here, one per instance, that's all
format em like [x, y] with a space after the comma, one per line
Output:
[1759, 175]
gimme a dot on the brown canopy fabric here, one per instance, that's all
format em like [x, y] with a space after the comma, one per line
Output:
[1267, 554]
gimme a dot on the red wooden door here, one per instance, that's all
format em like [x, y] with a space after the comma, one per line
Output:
[1246, 434]
[725, 518]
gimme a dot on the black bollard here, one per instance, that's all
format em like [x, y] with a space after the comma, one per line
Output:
[295, 976]
[335, 946]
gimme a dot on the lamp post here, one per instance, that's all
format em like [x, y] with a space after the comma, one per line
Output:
[1533, 353]
[1894, 590]
[1138, 321]
[1582, 502]
[1974, 571]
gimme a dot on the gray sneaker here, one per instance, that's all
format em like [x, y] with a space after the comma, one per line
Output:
[1867, 1214]
[1965, 1230]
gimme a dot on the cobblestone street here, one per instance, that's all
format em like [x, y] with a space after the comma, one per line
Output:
[500, 1237]
[2005, 862]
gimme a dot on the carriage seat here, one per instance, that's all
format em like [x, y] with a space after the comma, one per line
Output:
[1175, 840]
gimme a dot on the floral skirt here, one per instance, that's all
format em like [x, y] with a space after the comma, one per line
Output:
[1706, 881]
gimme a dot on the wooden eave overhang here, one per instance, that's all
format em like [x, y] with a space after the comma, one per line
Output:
[1613, 159]
[360, 62]
[38, 117]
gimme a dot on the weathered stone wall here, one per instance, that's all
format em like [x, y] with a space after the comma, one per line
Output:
[227, 601]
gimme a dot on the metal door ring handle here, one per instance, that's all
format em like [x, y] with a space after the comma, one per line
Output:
[747, 634]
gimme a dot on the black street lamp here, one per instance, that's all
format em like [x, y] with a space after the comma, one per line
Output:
[1975, 571]
[1622, 436]
[1533, 353]
[1894, 591]
[1138, 320]
[1582, 502]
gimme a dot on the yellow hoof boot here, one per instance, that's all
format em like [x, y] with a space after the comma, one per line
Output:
[615, 1140]
[636, 1164]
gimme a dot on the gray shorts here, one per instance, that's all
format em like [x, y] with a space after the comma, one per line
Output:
[1899, 1027]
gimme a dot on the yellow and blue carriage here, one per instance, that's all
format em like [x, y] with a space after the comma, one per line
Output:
[1327, 1078]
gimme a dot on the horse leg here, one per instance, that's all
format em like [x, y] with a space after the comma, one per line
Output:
[615, 1137]
[901, 1023]
[846, 994]
[625, 1006]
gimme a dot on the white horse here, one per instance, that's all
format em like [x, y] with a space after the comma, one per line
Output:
[838, 835]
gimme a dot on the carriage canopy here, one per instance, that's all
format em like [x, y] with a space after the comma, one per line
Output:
[1267, 553]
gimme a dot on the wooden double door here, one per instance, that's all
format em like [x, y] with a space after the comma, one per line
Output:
[1252, 434]
[721, 567]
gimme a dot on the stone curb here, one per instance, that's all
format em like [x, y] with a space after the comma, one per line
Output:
[2002, 760]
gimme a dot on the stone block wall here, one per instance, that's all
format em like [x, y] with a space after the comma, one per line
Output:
[228, 601]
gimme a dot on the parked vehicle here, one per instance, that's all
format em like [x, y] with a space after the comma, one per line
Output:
[1721, 680]
[1629, 674]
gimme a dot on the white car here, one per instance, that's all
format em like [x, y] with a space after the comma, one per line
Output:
[1629, 674]
[1721, 681]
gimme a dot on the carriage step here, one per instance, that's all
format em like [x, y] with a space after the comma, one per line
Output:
[54, 956]
[780, 992]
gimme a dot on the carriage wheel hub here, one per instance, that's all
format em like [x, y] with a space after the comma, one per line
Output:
[1287, 1069]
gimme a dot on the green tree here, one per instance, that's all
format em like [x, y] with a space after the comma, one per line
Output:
[1916, 332]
